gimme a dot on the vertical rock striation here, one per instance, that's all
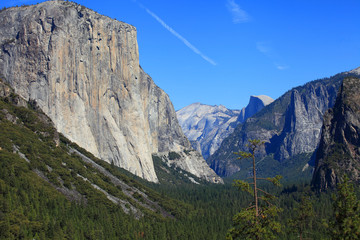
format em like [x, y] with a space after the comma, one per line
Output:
[83, 70]
[290, 126]
[303, 121]
[339, 148]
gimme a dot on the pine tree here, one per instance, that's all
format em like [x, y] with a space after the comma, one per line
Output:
[346, 224]
[257, 221]
[304, 218]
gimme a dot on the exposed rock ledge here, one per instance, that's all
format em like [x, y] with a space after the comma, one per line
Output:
[83, 70]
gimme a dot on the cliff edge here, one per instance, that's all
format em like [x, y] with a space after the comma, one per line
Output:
[83, 71]
[339, 147]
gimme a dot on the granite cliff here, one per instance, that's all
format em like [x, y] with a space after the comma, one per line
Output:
[207, 126]
[291, 127]
[339, 148]
[256, 103]
[83, 71]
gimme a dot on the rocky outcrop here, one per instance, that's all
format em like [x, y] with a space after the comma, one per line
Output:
[83, 70]
[290, 126]
[339, 148]
[9, 95]
[256, 103]
[303, 121]
[206, 126]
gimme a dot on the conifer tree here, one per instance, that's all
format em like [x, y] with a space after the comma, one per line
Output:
[346, 224]
[258, 221]
[301, 224]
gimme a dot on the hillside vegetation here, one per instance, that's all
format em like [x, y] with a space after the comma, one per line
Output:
[52, 189]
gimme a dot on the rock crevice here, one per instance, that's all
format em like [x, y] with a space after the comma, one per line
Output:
[83, 70]
[339, 148]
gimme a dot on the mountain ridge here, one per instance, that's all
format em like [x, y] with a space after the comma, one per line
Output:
[290, 126]
[206, 126]
[82, 69]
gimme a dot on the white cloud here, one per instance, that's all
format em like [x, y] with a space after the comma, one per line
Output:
[281, 66]
[176, 34]
[238, 14]
[263, 47]
[266, 49]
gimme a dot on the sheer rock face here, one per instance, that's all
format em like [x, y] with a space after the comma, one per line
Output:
[339, 148]
[207, 126]
[290, 125]
[83, 70]
[303, 121]
[256, 103]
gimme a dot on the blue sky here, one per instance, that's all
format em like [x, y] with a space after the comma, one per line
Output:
[223, 51]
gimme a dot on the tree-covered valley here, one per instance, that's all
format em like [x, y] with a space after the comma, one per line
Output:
[92, 148]
[53, 189]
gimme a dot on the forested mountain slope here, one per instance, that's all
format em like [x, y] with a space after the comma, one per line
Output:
[82, 69]
[42, 170]
[53, 189]
[290, 126]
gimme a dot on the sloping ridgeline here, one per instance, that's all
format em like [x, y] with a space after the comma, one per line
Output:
[207, 126]
[290, 126]
[82, 68]
[53, 189]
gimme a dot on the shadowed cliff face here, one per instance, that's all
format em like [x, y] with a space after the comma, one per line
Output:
[290, 126]
[207, 126]
[83, 70]
[339, 148]
[256, 103]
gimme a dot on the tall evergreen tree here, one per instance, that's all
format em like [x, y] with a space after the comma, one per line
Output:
[301, 224]
[346, 224]
[258, 221]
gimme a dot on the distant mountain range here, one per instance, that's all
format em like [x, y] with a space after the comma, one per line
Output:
[290, 126]
[207, 126]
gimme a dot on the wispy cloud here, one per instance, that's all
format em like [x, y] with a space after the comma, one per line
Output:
[281, 66]
[176, 34]
[238, 14]
[266, 49]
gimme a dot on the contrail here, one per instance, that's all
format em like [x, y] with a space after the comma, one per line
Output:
[176, 34]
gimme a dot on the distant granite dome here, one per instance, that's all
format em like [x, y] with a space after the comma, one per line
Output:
[356, 71]
[207, 126]
[256, 103]
[339, 148]
[265, 99]
[83, 70]
[290, 125]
